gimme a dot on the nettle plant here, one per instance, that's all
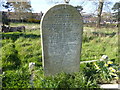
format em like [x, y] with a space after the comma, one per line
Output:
[106, 70]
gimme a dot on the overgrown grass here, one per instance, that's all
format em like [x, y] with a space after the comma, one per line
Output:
[98, 44]
[19, 48]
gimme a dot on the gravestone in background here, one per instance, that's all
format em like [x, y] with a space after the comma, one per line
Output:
[61, 29]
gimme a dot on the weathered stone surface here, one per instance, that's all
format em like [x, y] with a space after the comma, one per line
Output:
[61, 29]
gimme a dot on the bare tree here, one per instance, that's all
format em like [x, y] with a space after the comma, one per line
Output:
[100, 8]
[67, 1]
[21, 8]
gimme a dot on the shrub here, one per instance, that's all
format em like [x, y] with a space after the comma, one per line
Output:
[32, 20]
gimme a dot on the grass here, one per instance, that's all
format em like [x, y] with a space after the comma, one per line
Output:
[94, 46]
[19, 49]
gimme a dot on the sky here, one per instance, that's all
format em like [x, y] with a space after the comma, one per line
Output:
[89, 6]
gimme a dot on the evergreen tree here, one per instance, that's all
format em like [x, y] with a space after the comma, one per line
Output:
[5, 15]
[116, 13]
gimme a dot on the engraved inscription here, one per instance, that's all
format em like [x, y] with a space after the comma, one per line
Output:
[61, 39]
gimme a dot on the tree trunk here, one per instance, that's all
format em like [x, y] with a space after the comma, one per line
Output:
[100, 7]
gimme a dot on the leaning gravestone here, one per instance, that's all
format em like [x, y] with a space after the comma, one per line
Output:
[61, 29]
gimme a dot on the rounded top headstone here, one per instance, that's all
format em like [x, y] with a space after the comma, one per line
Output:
[61, 11]
[61, 30]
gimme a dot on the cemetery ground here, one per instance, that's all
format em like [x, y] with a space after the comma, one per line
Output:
[21, 48]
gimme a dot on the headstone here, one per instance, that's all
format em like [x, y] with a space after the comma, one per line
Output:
[61, 30]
